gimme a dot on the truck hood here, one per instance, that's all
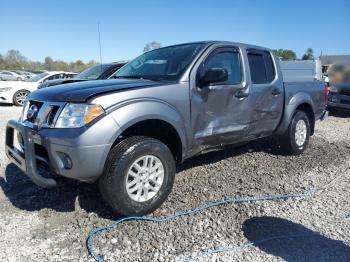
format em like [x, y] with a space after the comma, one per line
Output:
[61, 82]
[82, 91]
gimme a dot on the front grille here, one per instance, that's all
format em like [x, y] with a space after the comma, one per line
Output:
[347, 102]
[45, 114]
[52, 115]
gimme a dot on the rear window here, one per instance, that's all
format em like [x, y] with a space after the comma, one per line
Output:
[261, 66]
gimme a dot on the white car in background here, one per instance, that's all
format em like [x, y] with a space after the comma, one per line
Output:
[16, 92]
[10, 76]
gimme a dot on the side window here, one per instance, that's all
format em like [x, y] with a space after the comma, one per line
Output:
[229, 60]
[49, 78]
[257, 68]
[270, 68]
[56, 76]
[261, 66]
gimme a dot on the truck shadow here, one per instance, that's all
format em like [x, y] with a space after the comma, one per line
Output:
[310, 246]
[24, 194]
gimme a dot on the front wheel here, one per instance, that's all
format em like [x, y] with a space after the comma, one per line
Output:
[20, 97]
[296, 138]
[138, 176]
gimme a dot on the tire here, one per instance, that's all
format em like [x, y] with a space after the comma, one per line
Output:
[18, 79]
[20, 97]
[294, 141]
[121, 161]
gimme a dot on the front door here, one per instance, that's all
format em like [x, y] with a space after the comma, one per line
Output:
[218, 111]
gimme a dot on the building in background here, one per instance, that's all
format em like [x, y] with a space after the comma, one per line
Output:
[328, 60]
[301, 70]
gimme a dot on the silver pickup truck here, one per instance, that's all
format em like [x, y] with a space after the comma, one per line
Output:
[163, 107]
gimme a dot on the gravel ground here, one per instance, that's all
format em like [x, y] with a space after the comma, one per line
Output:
[39, 225]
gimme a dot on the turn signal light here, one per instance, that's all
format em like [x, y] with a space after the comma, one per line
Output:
[93, 111]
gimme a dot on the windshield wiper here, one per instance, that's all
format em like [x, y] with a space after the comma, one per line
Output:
[131, 77]
[153, 78]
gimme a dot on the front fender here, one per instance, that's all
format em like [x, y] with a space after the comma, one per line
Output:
[133, 111]
[290, 106]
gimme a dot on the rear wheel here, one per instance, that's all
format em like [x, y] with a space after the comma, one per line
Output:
[20, 97]
[138, 176]
[296, 138]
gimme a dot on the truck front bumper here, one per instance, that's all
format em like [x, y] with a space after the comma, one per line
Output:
[40, 149]
[336, 100]
[339, 105]
[26, 159]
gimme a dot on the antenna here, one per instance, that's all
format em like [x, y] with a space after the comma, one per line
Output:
[99, 43]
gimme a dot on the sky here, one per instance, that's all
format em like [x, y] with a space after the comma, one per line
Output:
[67, 30]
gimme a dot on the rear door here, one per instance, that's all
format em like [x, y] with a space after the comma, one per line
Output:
[266, 92]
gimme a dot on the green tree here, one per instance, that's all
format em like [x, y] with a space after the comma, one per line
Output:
[60, 65]
[15, 60]
[48, 63]
[309, 54]
[78, 66]
[285, 54]
[151, 46]
[2, 62]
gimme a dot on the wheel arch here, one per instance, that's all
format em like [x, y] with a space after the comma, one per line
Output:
[154, 119]
[301, 101]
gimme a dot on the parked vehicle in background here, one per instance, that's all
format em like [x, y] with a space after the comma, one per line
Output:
[338, 77]
[339, 97]
[10, 76]
[301, 70]
[16, 92]
[96, 72]
[20, 73]
[165, 106]
[25, 75]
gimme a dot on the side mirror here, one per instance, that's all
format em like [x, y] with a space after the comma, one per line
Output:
[214, 75]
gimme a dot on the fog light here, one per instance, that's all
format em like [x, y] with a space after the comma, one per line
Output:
[65, 161]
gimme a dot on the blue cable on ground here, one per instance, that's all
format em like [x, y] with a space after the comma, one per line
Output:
[196, 210]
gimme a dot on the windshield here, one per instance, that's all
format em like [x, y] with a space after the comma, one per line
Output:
[167, 63]
[37, 77]
[92, 73]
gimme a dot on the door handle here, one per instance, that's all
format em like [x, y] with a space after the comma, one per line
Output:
[276, 92]
[240, 94]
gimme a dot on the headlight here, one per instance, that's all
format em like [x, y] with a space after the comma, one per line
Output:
[78, 115]
[4, 89]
